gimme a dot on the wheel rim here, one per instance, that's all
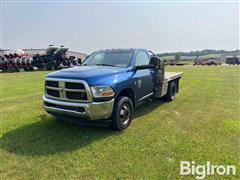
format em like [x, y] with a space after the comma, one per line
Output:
[125, 113]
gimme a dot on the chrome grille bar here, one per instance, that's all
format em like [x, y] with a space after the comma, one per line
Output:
[63, 91]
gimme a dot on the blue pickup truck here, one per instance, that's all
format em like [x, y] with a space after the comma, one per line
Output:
[108, 86]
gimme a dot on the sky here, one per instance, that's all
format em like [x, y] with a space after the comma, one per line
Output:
[89, 26]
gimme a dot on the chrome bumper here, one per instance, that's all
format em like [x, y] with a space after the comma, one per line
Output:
[90, 111]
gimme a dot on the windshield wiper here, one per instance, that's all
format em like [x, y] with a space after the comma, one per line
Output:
[105, 65]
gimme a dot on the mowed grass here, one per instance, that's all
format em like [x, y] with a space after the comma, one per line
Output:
[202, 124]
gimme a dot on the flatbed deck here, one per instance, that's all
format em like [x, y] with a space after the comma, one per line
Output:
[172, 75]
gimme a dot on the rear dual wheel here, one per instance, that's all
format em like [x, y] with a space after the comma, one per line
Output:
[171, 92]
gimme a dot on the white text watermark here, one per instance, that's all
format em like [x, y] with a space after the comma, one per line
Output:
[200, 171]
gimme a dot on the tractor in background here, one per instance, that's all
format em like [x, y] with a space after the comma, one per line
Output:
[16, 61]
[206, 61]
[11, 64]
[232, 60]
[53, 58]
[26, 63]
[3, 64]
[44, 60]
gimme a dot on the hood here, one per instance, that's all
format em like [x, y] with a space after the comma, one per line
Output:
[93, 75]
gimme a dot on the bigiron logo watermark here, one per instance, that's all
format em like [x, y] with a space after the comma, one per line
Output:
[203, 170]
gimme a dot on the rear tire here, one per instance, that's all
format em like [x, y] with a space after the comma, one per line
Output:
[171, 92]
[122, 113]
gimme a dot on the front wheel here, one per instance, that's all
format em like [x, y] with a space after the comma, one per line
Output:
[122, 113]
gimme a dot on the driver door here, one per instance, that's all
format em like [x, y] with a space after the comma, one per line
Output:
[144, 78]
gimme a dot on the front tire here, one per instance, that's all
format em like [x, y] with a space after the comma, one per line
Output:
[122, 113]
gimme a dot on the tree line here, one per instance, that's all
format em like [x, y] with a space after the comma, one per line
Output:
[197, 53]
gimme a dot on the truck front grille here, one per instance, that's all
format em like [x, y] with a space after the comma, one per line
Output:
[68, 90]
[71, 85]
[52, 92]
[52, 83]
[76, 95]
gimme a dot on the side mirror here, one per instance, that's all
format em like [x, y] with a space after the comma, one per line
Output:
[147, 66]
[154, 60]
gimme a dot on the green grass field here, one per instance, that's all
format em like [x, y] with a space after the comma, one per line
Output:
[202, 124]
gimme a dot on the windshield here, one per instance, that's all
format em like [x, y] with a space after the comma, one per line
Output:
[109, 58]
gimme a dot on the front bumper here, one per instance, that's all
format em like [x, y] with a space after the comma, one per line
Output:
[89, 111]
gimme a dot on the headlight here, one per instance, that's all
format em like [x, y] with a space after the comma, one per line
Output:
[102, 91]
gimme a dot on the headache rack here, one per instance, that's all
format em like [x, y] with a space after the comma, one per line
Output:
[160, 85]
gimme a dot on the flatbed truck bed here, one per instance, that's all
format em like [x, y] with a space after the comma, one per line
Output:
[172, 75]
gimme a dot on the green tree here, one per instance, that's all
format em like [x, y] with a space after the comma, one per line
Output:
[178, 56]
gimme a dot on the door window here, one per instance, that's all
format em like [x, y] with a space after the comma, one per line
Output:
[142, 59]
